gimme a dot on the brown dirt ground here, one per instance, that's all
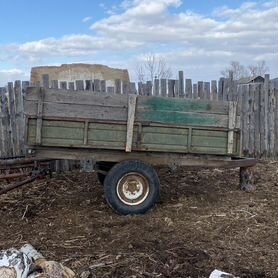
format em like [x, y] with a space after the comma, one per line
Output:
[202, 222]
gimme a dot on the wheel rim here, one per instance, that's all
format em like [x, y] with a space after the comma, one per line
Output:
[133, 189]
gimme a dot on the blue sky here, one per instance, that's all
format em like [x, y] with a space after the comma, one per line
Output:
[199, 37]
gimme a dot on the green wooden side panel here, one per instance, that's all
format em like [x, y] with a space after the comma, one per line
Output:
[181, 105]
[164, 139]
[211, 142]
[176, 118]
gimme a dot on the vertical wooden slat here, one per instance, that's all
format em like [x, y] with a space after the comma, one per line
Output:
[245, 119]
[71, 86]
[181, 84]
[79, 85]
[156, 87]
[188, 88]
[251, 147]
[39, 116]
[54, 84]
[221, 88]
[213, 90]
[266, 119]
[171, 88]
[271, 124]
[163, 84]
[133, 88]
[207, 90]
[110, 90]
[3, 125]
[45, 80]
[195, 91]
[140, 88]
[19, 117]
[88, 85]
[63, 85]
[226, 89]
[276, 122]
[176, 89]
[257, 134]
[130, 121]
[11, 102]
[149, 87]
[118, 86]
[97, 85]
[201, 89]
[231, 123]
[103, 86]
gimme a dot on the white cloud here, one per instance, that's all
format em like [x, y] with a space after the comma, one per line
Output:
[86, 19]
[186, 39]
[9, 75]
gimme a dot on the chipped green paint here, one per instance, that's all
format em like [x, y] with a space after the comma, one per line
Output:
[179, 118]
[171, 104]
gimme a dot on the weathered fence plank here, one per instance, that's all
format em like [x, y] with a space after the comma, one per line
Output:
[181, 84]
[188, 88]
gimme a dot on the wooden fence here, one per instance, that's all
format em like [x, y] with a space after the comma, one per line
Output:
[258, 104]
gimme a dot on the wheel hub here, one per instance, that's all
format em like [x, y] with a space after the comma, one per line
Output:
[133, 189]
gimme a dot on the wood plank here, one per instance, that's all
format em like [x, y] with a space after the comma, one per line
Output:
[156, 87]
[213, 90]
[73, 97]
[88, 85]
[188, 88]
[200, 85]
[182, 105]
[118, 86]
[19, 116]
[232, 125]
[271, 124]
[207, 90]
[39, 116]
[163, 87]
[266, 119]
[45, 80]
[171, 88]
[276, 123]
[149, 87]
[79, 84]
[54, 84]
[251, 121]
[63, 85]
[195, 91]
[97, 85]
[13, 133]
[257, 134]
[245, 117]
[71, 86]
[181, 93]
[221, 88]
[130, 121]
[103, 86]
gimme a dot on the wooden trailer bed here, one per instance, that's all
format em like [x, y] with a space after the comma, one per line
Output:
[134, 132]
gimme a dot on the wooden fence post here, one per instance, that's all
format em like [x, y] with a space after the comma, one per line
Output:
[213, 95]
[19, 117]
[163, 84]
[118, 86]
[156, 87]
[181, 84]
[188, 88]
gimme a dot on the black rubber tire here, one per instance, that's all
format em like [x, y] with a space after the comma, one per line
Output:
[104, 166]
[120, 170]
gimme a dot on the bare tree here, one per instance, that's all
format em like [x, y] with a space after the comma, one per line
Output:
[259, 69]
[152, 67]
[238, 70]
